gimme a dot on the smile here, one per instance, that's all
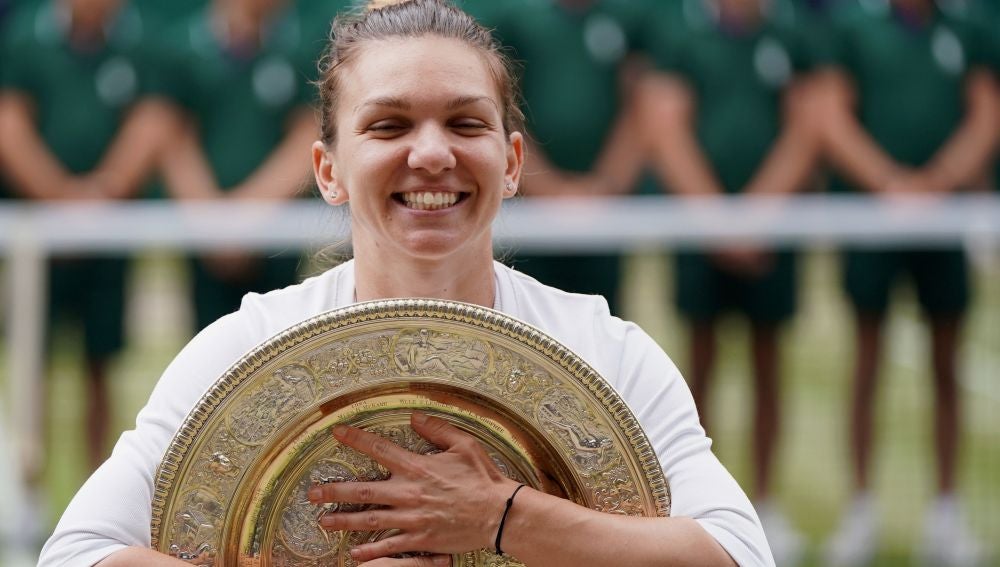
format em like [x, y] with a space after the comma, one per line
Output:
[429, 200]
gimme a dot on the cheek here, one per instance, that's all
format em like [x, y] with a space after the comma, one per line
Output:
[489, 159]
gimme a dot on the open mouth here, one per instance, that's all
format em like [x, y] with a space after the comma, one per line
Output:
[429, 200]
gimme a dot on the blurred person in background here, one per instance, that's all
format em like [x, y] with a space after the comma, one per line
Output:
[725, 115]
[74, 127]
[576, 77]
[910, 112]
[237, 71]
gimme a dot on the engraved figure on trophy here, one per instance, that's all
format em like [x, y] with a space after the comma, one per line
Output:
[371, 354]
[517, 377]
[334, 365]
[196, 526]
[571, 422]
[290, 389]
[430, 353]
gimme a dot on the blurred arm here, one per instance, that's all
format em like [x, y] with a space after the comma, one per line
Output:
[667, 116]
[137, 148]
[621, 158]
[960, 161]
[846, 143]
[284, 173]
[185, 168]
[35, 172]
[543, 178]
[792, 158]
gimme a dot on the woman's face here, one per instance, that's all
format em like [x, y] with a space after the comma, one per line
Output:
[420, 151]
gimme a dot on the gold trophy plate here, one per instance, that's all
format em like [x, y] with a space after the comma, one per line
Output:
[231, 489]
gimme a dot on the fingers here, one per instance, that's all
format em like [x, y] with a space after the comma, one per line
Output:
[385, 452]
[369, 521]
[383, 550]
[440, 432]
[379, 492]
[427, 561]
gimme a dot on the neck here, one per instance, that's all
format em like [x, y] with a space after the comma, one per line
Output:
[238, 26]
[466, 277]
[86, 29]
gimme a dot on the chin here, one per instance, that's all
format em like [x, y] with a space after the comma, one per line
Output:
[439, 247]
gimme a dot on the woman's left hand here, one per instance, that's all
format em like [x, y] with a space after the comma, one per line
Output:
[448, 502]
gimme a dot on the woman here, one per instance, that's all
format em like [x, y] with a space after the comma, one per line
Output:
[421, 136]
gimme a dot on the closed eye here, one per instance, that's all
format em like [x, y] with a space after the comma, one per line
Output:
[384, 128]
[470, 126]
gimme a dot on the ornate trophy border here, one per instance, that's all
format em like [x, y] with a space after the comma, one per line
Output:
[405, 310]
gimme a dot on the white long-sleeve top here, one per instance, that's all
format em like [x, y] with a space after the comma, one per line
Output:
[113, 508]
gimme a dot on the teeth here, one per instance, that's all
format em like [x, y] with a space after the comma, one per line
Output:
[429, 200]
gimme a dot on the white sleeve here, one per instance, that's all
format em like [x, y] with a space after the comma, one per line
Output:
[113, 509]
[701, 488]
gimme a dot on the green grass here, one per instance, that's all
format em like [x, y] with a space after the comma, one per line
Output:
[812, 481]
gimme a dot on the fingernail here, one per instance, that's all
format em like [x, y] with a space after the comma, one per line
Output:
[419, 418]
[315, 493]
[442, 561]
[355, 552]
[340, 430]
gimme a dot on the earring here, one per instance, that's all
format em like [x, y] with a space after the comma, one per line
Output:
[334, 194]
[509, 186]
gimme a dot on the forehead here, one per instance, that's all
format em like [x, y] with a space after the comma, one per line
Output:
[422, 69]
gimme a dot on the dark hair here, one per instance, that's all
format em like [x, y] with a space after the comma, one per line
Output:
[411, 19]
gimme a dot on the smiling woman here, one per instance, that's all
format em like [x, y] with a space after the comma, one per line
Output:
[421, 136]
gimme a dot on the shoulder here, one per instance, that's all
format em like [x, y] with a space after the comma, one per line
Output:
[270, 313]
[538, 303]
[620, 351]
[224, 343]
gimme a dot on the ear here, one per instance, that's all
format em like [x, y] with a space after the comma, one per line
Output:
[326, 175]
[515, 163]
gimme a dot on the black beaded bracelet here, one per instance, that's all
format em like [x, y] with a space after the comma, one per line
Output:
[503, 519]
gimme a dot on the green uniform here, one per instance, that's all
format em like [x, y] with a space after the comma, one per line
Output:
[167, 13]
[910, 80]
[737, 76]
[80, 97]
[571, 62]
[242, 103]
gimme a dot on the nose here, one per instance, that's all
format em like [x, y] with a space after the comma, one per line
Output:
[431, 150]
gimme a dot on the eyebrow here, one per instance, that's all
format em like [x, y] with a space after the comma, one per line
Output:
[396, 102]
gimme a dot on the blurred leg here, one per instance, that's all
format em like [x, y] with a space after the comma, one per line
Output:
[855, 541]
[702, 357]
[767, 413]
[98, 409]
[868, 351]
[948, 537]
[945, 333]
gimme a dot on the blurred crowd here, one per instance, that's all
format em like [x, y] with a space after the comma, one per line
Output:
[212, 100]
